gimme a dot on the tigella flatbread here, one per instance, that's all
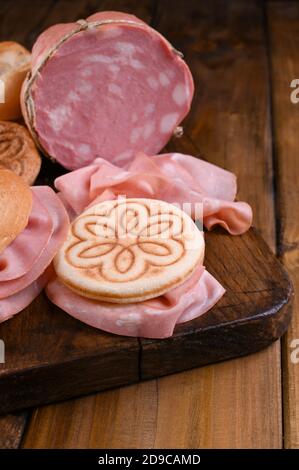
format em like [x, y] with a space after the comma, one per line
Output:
[129, 250]
[133, 267]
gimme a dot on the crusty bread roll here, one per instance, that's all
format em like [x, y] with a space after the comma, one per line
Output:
[15, 207]
[18, 152]
[14, 65]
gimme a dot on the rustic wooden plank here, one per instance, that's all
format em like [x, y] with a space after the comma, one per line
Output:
[23, 22]
[11, 430]
[134, 417]
[16, 24]
[62, 12]
[55, 357]
[105, 420]
[283, 21]
[235, 404]
[42, 368]
[224, 44]
[254, 312]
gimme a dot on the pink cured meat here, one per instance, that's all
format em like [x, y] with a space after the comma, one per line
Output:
[19, 257]
[175, 178]
[12, 305]
[154, 318]
[107, 87]
[60, 222]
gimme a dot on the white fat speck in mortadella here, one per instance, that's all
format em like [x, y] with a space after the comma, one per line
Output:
[179, 94]
[168, 122]
[164, 80]
[153, 83]
[115, 89]
[148, 129]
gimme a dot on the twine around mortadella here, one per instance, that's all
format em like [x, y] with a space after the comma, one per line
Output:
[82, 26]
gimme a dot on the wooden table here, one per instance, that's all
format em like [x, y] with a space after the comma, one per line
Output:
[243, 56]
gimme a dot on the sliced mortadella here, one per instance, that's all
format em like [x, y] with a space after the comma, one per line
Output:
[175, 178]
[202, 176]
[71, 213]
[154, 318]
[13, 304]
[80, 179]
[232, 216]
[19, 257]
[103, 177]
[60, 222]
[207, 293]
[191, 180]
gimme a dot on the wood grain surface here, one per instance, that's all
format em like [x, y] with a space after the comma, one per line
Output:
[248, 316]
[56, 357]
[23, 24]
[230, 125]
[236, 403]
[283, 20]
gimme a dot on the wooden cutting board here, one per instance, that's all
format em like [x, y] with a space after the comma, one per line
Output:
[50, 356]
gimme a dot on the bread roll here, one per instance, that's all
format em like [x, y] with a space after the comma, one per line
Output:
[18, 152]
[14, 65]
[15, 207]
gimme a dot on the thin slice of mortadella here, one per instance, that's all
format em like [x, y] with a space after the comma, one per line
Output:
[155, 318]
[209, 291]
[162, 177]
[60, 228]
[80, 179]
[201, 176]
[19, 257]
[15, 303]
[192, 181]
[232, 216]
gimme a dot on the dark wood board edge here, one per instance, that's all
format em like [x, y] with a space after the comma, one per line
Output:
[151, 359]
[192, 346]
[12, 428]
[203, 348]
[156, 359]
[229, 429]
[81, 376]
[19, 24]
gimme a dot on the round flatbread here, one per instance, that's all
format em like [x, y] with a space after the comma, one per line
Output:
[129, 250]
[18, 152]
[15, 207]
